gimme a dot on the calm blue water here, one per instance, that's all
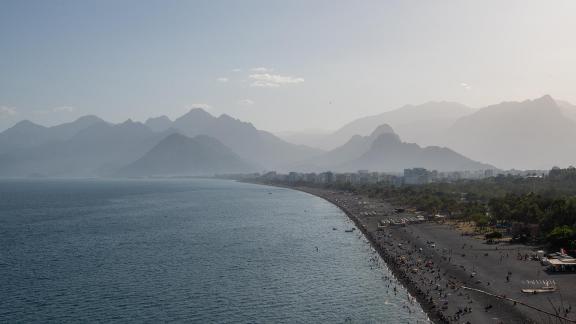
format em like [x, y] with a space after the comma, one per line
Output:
[202, 251]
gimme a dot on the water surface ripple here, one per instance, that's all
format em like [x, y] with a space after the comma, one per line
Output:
[203, 251]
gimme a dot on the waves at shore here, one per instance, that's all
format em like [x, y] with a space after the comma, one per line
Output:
[435, 274]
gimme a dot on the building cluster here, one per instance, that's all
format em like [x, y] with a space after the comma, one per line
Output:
[424, 176]
[413, 176]
[360, 177]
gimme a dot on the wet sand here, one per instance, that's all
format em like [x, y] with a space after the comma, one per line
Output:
[435, 273]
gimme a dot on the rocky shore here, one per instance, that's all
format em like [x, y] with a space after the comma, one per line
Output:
[436, 263]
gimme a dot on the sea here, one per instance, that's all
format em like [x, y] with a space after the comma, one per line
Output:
[186, 250]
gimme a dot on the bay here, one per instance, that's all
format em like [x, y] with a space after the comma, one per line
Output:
[186, 250]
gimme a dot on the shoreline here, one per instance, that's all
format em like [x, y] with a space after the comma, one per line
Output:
[394, 269]
[434, 274]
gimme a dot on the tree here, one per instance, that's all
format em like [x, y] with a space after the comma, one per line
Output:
[481, 220]
[562, 236]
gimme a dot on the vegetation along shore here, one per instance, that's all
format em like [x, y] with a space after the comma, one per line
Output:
[471, 251]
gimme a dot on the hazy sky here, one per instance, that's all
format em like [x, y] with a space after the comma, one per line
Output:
[283, 65]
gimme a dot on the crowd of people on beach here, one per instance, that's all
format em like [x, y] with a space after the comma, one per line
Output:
[438, 277]
[422, 277]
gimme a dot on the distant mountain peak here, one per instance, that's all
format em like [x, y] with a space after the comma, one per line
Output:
[382, 129]
[178, 154]
[159, 124]
[546, 100]
[25, 127]
[386, 139]
[389, 153]
[531, 134]
[89, 118]
[197, 111]
[26, 124]
[194, 115]
[133, 125]
[230, 119]
[226, 116]
[422, 123]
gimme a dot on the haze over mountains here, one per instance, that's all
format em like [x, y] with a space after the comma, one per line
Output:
[423, 124]
[532, 134]
[384, 151]
[26, 134]
[256, 146]
[178, 155]
[96, 150]
[92, 147]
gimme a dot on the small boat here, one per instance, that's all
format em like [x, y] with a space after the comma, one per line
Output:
[539, 290]
[349, 230]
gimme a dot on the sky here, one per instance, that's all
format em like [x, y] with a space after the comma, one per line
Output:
[282, 65]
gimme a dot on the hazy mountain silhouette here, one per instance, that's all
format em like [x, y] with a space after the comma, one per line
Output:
[384, 151]
[389, 154]
[27, 134]
[532, 134]
[251, 144]
[355, 147]
[159, 124]
[178, 155]
[23, 134]
[422, 124]
[195, 120]
[90, 146]
[97, 150]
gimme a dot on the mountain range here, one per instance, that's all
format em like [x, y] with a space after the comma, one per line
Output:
[178, 155]
[532, 134]
[446, 136]
[95, 150]
[253, 145]
[529, 134]
[26, 134]
[90, 146]
[384, 151]
[422, 124]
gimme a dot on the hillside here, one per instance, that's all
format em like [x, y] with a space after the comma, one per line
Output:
[257, 146]
[383, 150]
[422, 124]
[178, 155]
[532, 134]
[389, 154]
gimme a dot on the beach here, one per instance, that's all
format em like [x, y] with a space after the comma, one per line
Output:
[438, 263]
